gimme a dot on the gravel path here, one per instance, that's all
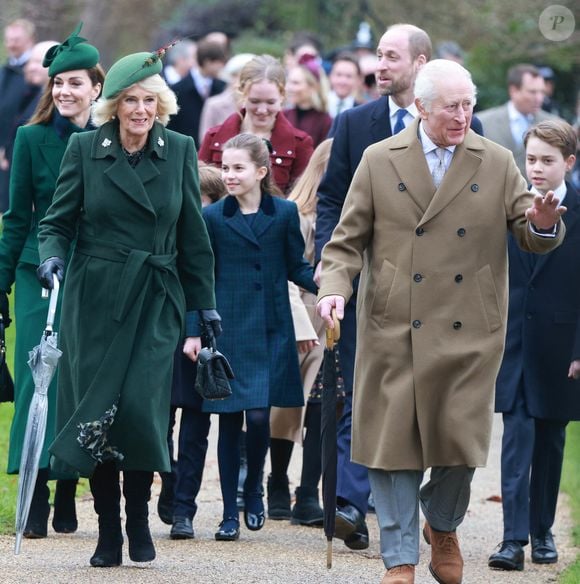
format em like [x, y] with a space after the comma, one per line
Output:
[279, 553]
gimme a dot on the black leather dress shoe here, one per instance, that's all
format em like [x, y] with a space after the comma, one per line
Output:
[229, 530]
[544, 549]
[351, 527]
[509, 557]
[181, 528]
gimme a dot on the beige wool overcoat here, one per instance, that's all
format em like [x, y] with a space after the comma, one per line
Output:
[432, 302]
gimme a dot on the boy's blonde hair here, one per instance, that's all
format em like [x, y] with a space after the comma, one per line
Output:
[211, 184]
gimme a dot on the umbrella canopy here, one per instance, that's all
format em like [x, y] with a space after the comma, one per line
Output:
[328, 435]
[42, 360]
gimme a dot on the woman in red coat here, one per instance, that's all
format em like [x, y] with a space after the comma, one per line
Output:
[262, 86]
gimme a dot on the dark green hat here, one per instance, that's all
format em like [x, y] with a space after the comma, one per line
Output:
[131, 69]
[74, 53]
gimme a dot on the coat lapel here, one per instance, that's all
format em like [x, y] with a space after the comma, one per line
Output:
[262, 222]
[411, 166]
[51, 151]
[380, 126]
[235, 221]
[130, 181]
[466, 161]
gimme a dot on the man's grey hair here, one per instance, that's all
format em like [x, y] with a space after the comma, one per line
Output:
[426, 83]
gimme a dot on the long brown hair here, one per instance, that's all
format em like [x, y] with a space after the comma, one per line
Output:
[305, 190]
[259, 155]
[45, 108]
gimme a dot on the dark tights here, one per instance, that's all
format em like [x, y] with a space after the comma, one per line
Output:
[257, 442]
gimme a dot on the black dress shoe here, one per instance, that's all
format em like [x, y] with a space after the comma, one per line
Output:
[229, 530]
[509, 557]
[544, 549]
[351, 527]
[181, 528]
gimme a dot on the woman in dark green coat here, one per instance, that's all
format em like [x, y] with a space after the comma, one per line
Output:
[129, 194]
[75, 80]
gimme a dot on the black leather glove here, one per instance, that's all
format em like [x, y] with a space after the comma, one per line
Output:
[5, 309]
[47, 268]
[212, 321]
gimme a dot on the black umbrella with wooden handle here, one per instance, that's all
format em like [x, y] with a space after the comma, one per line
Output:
[328, 435]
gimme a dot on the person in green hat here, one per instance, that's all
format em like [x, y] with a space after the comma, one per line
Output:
[140, 279]
[75, 81]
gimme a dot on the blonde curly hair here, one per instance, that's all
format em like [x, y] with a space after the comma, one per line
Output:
[105, 110]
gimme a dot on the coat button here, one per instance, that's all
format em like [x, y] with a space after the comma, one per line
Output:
[529, 316]
[402, 187]
[274, 152]
[258, 267]
[417, 277]
[457, 325]
[461, 232]
[278, 161]
[289, 152]
[474, 188]
[419, 231]
[458, 278]
[257, 286]
[417, 324]
[216, 144]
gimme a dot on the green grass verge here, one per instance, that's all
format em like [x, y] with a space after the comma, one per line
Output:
[571, 485]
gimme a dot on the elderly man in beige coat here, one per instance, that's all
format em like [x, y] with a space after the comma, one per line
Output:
[425, 222]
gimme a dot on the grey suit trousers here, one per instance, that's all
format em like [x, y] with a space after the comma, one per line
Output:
[444, 499]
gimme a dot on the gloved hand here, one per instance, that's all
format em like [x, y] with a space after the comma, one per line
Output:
[212, 321]
[47, 268]
[5, 309]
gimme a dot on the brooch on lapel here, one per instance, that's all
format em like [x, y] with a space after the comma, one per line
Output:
[106, 143]
[160, 141]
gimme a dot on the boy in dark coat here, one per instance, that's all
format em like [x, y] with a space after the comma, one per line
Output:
[537, 389]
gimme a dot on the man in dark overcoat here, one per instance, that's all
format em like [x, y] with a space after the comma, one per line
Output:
[196, 87]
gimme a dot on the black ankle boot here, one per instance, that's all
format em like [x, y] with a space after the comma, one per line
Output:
[165, 501]
[137, 491]
[307, 509]
[107, 502]
[278, 498]
[64, 519]
[36, 525]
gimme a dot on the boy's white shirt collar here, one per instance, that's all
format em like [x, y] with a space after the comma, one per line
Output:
[559, 193]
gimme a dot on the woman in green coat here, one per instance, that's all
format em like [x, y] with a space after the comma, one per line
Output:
[75, 80]
[128, 193]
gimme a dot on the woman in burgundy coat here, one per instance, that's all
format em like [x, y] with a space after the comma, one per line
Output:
[306, 90]
[262, 85]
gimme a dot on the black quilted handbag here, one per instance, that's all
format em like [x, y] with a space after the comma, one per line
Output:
[6, 383]
[213, 373]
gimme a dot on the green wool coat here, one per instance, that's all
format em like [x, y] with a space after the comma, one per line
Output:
[38, 151]
[142, 258]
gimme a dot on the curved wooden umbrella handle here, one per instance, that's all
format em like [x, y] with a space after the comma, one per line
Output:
[333, 335]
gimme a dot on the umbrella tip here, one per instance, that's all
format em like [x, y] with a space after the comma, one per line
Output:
[17, 544]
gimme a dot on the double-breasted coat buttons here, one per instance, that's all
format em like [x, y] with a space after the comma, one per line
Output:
[461, 231]
[417, 324]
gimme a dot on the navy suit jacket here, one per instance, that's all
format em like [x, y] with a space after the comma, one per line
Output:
[186, 121]
[353, 131]
[543, 333]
